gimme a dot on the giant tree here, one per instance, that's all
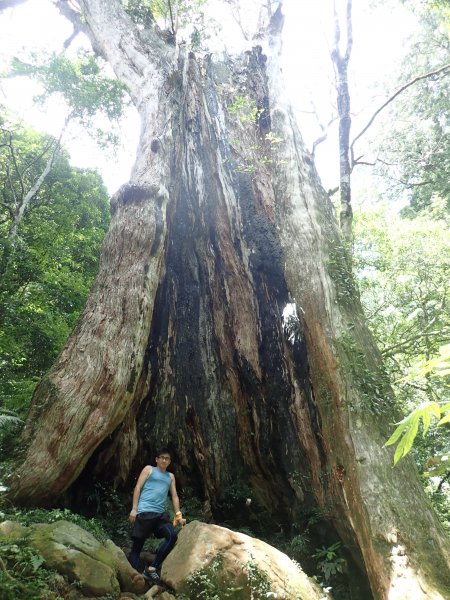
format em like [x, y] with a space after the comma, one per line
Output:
[224, 229]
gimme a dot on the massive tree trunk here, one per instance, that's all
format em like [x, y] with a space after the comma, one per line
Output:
[225, 224]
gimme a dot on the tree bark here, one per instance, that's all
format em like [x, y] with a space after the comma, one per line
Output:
[343, 105]
[182, 341]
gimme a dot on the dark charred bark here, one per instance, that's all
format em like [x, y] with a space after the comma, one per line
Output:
[182, 340]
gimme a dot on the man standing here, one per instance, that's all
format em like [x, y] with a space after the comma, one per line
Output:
[148, 513]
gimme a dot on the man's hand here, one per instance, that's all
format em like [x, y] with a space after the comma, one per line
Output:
[132, 517]
[178, 519]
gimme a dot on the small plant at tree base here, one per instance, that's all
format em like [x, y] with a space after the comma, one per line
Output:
[193, 507]
[298, 547]
[23, 575]
[329, 562]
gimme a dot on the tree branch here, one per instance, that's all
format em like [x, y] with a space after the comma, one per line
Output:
[12, 153]
[74, 16]
[443, 480]
[171, 17]
[324, 129]
[394, 348]
[397, 93]
[343, 105]
[349, 47]
[35, 188]
[332, 191]
[35, 161]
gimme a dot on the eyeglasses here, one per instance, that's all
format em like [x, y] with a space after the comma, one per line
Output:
[166, 458]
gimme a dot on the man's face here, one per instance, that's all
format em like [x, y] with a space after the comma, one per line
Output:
[163, 461]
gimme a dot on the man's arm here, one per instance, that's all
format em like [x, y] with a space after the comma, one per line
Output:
[137, 491]
[176, 503]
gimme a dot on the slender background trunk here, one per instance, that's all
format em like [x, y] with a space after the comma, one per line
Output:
[341, 61]
[182, 341]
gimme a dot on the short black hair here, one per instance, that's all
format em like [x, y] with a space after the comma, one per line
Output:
[164, 450]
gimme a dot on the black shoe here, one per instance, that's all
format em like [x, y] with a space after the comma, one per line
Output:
[151, 576]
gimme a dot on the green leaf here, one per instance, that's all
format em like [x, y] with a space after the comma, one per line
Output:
[397, 433]
[36, 561]
[409, 426]
[445, 419]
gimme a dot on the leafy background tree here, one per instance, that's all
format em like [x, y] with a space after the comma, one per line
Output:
[48, 268]
[402, 274]
[412, 147]
[53, 216]
[402, 248]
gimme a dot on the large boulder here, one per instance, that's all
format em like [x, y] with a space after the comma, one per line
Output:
[99, 568]
[234, 560]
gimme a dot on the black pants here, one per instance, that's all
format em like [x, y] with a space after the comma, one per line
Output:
[160, 526]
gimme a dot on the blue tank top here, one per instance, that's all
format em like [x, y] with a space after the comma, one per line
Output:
[154, 492]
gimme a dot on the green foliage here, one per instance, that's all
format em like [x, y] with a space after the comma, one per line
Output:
[403, 280]
[340, 270]
[25, 578]
[140, 11]
[187, 11]
[244, 108]
[298, 547]
[329, 561]
[185, 17]
[109, 510]
[192, 507]
[262, 150]
[46, 273]
[440, 499]
[416, 150]
[208, 584]
[81, 83]
[258, 581]
[235, 495]
[373, 383]
[440, 365]
[40, 515]
[407, 430]
[8, 418]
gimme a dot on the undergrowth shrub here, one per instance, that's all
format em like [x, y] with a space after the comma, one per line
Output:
[41, 515]
[23, 575]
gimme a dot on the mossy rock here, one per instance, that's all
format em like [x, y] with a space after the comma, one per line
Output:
[99, 568]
